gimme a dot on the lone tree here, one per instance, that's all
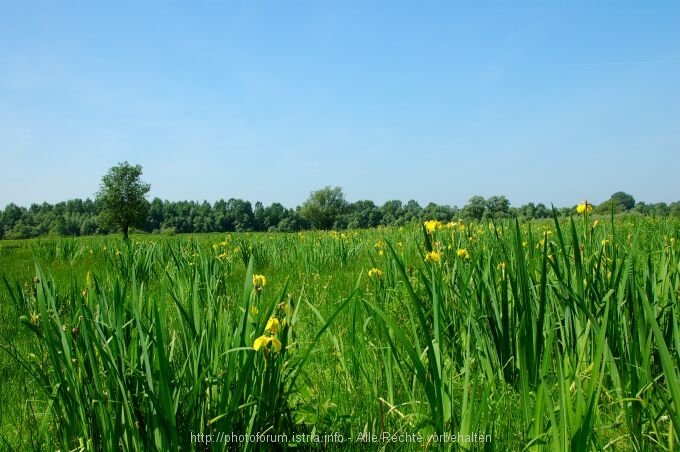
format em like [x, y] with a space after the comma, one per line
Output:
[619, 201]
[122, 198]
[324, 207]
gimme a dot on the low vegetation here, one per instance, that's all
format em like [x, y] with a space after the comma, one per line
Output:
[558, 334]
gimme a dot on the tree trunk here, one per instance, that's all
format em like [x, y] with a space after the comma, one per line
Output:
[126, 230]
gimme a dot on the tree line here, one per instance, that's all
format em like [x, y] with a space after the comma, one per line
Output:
[121, 204]
[325, 209]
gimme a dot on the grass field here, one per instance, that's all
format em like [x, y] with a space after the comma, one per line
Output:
[555, 335]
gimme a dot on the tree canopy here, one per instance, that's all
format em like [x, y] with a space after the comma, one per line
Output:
[324, 207]
[85, 217]
[122, 197]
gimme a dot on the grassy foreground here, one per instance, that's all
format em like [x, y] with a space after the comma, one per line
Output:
[506, 336]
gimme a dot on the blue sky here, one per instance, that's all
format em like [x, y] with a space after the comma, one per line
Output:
[549, 102]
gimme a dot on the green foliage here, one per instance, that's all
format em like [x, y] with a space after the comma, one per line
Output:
[77, 217]
[618, 202]
[324, 207]
[545, 335]
[475, 208]
[498, 207]
[624, 200]
[362, 215]
[122, 198]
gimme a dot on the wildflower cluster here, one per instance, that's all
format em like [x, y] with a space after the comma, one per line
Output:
[436, 248]
[380, 247]
[269, 339]
[225, 250]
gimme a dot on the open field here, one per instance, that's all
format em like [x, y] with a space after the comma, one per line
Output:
[551, 335]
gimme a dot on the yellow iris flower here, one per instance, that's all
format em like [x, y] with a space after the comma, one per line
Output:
[432, 225]
[273, 325]
[375, 273]
[259, 281]
[433, 256]
[584, 208]
[264, 341]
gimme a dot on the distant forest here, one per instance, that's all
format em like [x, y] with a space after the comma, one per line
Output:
[77, 217]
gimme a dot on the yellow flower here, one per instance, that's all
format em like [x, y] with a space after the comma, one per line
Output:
[432, 256]
[272, 325]
[254, 310]
[432, 225]
[259, 281]
[261, 341]
[462, 252]
[375, 273]
[584, 208]
[264, 341]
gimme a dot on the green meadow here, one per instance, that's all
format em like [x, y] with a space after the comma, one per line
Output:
[558, 334]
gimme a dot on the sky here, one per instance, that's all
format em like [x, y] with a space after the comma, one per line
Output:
[437, 101]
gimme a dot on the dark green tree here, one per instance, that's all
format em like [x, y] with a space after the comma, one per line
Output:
[391, 211]
[475, 209]
[438, 212]
[623, 199]
[239, 214]
[411, 212]
[527, 211]
[122, 198]
[498, 207]
[324, 206]
[155, 215]
[542, 211]
[363, 214]
[619, 201]
[271, 216]
[674, 209]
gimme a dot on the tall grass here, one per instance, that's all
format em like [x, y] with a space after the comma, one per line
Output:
[538, 336]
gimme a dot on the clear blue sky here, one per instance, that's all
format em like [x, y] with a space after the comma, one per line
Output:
[548, 102]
